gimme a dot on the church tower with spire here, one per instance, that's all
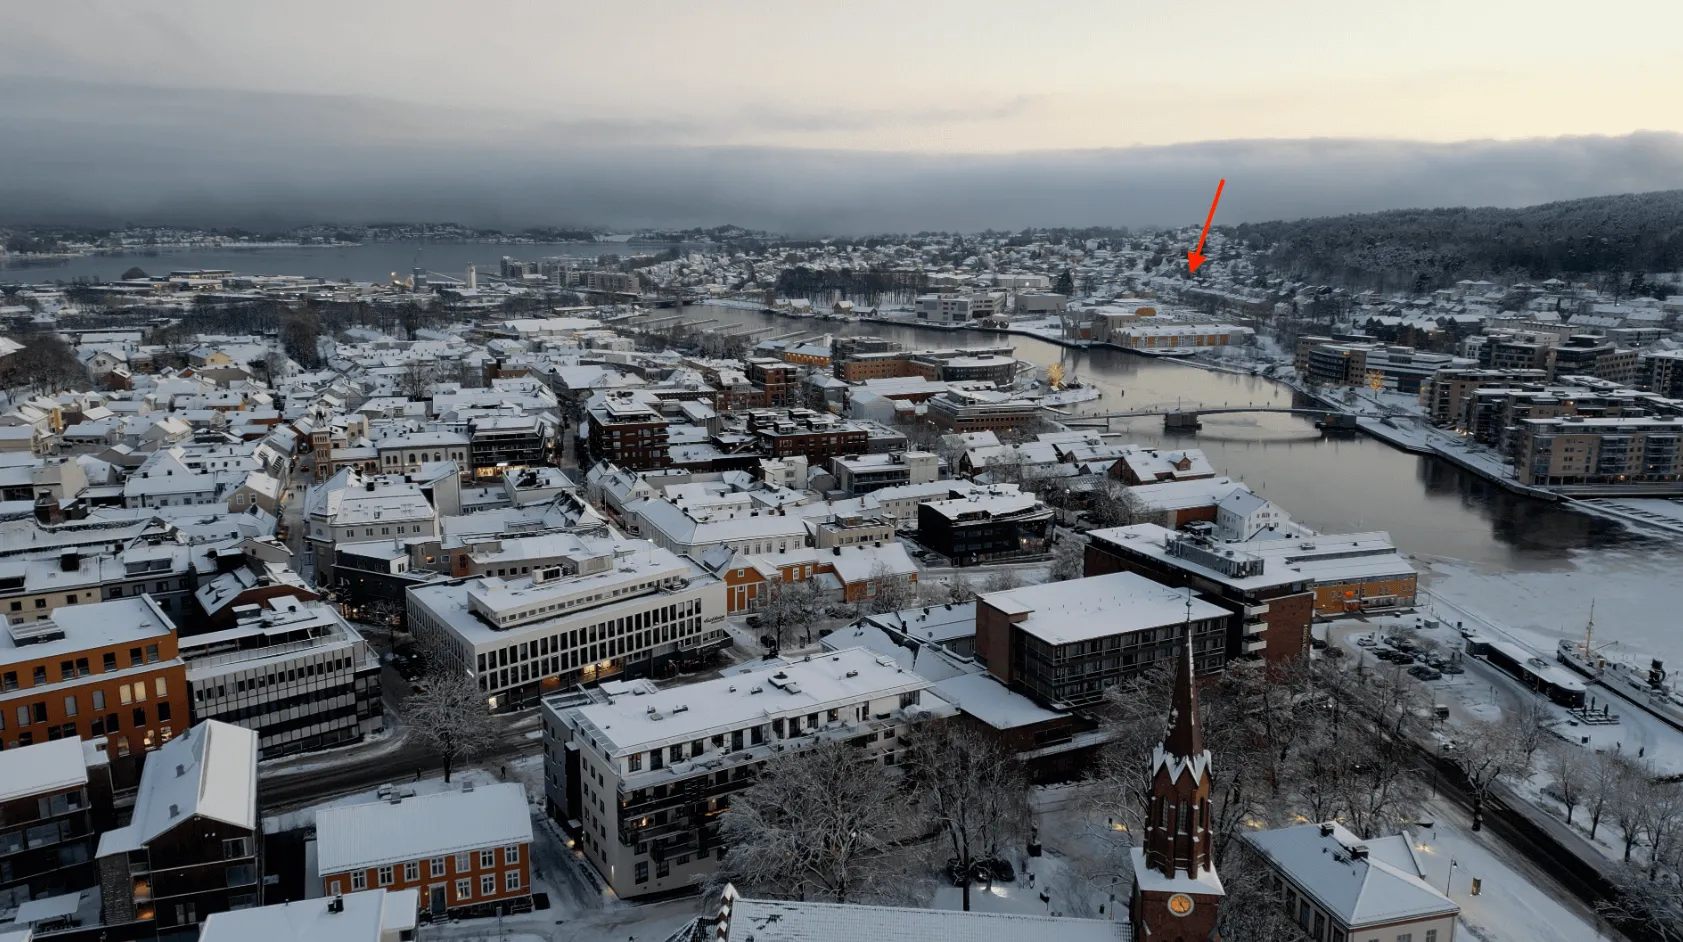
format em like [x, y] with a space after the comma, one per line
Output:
[1176, 891]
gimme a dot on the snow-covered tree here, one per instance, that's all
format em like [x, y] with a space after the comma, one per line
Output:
[1490, 754]
[1002, 579]
[892, 592]
[974, 793]
[451, 717]
[791, 607]
[1069, 559]
[816, 825]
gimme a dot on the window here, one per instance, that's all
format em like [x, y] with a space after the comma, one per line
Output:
[140, 691]
[385, 876]
[163, 712]
[511, 855]
[359, 880]
[635, 762]
[160, 688]
[488, 885]
[464, 862]
[487, 858]
[1431, 935]
[134, 657]
[412, 871]
[139, 717]
[242, 875]
[99, 699]
[643, 870]
[152, 650]
[70, 705]
[1405, 937]
[464, 889]
[511, 881]
[335, 888]
[236, 847]
[663, 869]
[437, 867]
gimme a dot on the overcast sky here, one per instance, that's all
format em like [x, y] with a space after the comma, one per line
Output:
[826, 117]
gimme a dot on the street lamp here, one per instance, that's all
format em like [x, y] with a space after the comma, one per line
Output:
[1451, 878]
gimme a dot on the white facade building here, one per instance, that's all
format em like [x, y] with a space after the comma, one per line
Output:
[637, 773]
[617, 606]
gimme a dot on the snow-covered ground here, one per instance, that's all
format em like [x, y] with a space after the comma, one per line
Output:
[1514, 903]
[1635, 591]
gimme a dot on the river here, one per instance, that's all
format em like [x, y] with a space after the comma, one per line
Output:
[1530, 565]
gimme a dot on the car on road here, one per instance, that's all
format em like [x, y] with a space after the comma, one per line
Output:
[1366, 642]
[1422, 672]
[1451, 667]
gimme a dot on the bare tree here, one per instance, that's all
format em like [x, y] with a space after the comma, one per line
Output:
[417, 379]
[1569, 774]
[1251, 912]
[1069, 559]
[1643, 907]
[1002, 579]
[451, 717]
[791, 606]
[1489, 755]
[1113, 504]
[960, 590]
[46, 364]
[1632, 800]
[891, 591]
[815, 825]
[975, 793]
[1603, 782]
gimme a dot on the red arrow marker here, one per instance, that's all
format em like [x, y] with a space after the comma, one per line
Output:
[1195, 257]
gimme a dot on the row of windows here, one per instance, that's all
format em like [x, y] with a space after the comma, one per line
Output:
[29, 714]
[79, 667]
[581, 638]
[318, 669]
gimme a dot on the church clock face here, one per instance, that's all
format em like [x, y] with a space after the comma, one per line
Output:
[1180, 904]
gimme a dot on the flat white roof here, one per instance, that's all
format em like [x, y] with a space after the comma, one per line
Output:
[54, 766]
[374, 834]
[633, 723]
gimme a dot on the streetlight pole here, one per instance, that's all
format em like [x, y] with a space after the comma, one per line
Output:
[1451, 878]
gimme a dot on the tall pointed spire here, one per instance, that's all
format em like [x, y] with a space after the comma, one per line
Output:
[1185, 738]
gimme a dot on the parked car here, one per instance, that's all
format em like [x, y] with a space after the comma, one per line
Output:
[1450, 667]
[1423, 672]
[1319, 644]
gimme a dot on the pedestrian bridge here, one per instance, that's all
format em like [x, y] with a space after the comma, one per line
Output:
[1183, 418]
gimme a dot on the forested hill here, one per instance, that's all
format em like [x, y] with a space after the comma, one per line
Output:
[1421, 249]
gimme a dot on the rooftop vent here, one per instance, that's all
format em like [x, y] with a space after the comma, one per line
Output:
[1326, 829]
[175, 811]
[336, 904]
[180, 770]
[1358, 852]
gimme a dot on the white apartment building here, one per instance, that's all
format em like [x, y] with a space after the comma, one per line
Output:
[293, 671]
[639, 774]
[617, 606]
[351, 507]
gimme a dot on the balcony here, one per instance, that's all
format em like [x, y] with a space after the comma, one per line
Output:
[1253, 645]
[1253, 628]
[143, 891]
[1256, 611]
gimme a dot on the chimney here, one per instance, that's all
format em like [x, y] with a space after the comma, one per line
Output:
[336, 904]
[180, 770]
[175, 811]
[1326, 829]
[1358, 852]
[70, 561]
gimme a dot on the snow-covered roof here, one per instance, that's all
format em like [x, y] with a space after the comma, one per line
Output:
[372, 834]
[783, 686]
[363, 917]
[210, 771]
[1098, 607]
[1381, 887]
[982, 696]
[754, 920]
[55, 766]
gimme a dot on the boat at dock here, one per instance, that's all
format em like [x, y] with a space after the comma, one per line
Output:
[1646, 688]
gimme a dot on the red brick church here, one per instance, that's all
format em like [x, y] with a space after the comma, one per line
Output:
[1177, 894]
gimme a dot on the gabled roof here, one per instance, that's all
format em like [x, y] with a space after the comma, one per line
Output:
[379, 833]
[1382, 885]
[210, 771]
